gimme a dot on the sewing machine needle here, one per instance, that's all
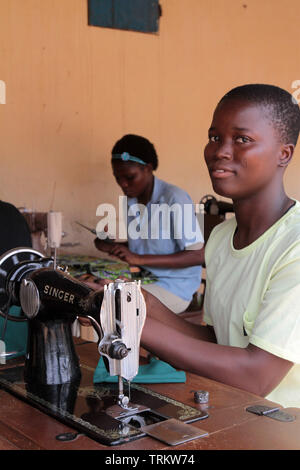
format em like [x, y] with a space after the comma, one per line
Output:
[121, 390]
[129, 383]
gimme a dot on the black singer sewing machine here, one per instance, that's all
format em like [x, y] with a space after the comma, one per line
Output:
[51, 376]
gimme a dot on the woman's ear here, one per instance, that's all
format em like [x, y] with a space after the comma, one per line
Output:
[286, 155]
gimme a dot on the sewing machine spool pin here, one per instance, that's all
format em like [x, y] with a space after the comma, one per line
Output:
[54, 232]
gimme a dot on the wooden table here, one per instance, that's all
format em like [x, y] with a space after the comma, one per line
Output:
[229, 425]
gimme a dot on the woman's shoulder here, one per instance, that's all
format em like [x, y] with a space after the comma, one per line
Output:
[8, 209]
[289, 224]
[220, 230]
[171, 193]
[287, 230]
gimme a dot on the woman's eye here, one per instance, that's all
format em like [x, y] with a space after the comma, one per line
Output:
[242, 139]
[213, 138]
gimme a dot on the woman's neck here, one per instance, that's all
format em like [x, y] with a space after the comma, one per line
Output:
[256, 216]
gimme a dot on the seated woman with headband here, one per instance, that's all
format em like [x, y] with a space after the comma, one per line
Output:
[172, 249]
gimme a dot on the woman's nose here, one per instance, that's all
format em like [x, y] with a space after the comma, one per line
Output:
[123, 183]
[223, 150]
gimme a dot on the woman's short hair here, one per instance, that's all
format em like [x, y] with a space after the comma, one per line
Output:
[283, 110]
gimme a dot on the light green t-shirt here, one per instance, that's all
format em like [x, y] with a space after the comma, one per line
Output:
[253, 295]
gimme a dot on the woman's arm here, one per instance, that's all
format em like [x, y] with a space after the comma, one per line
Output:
[251, 369]
[181, 259]
[105, 246]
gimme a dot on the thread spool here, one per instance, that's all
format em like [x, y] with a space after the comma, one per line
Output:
[54, 230]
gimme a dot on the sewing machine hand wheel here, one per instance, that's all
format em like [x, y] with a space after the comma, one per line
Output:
[210, 204]
[8, 261]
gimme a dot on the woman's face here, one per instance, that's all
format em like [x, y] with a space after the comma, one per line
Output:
[244, 150]
[134, 179]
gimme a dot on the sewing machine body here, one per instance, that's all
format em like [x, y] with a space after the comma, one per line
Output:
[52, 376]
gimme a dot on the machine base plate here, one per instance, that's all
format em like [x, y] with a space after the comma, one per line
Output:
[85, 406]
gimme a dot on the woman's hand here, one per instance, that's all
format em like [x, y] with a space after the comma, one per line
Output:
[102, 245]
[124, 254]
[120, 250]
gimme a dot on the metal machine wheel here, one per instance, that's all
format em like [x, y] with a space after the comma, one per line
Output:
[7, 262]
[210, 204]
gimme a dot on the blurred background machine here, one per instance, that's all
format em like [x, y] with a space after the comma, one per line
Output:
[46, 229]
[215, 212]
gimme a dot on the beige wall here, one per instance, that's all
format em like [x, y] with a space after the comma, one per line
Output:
[73, 89]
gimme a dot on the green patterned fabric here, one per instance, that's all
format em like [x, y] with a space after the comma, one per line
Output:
[102, 268]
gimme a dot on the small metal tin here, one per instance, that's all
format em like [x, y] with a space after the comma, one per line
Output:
[201, 396]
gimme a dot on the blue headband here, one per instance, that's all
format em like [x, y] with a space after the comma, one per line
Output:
[126, 157]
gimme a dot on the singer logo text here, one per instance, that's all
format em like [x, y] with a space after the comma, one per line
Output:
[59, 294]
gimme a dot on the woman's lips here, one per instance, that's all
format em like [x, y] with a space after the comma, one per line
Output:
[220, 174]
